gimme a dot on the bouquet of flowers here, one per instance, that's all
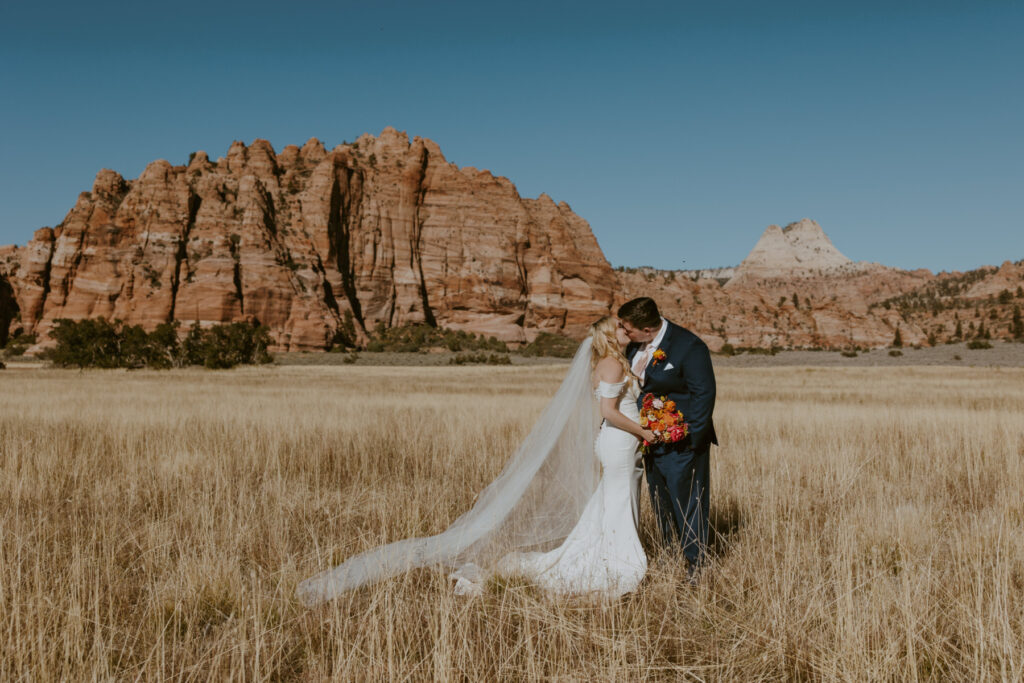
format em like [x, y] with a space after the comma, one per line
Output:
[660, 416]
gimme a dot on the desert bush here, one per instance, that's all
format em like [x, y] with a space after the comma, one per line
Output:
[895, 353]
[978, 344]
[848, 353]
[102, 343]
[548, 344]
[19, 343]
[480, 359]
[758, 350]
[727, 350]
[225, 346]
[420, 337]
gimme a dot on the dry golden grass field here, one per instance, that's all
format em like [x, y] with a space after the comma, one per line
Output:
[154, 525]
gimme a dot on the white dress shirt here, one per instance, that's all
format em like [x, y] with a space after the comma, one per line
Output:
[643, 356]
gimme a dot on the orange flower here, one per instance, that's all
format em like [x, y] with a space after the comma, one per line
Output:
[670, 406]
[658, 356]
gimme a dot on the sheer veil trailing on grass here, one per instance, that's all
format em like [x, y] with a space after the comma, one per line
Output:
[532, 505]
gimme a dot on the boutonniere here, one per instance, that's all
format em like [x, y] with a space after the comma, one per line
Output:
[658, 356]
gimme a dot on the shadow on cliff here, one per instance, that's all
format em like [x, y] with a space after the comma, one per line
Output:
[8, 310]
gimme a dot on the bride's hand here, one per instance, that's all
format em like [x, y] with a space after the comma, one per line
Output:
[648, 435]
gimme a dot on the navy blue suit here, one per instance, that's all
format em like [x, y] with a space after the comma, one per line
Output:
[678, 475]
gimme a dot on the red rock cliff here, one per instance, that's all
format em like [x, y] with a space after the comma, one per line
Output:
[383, 229]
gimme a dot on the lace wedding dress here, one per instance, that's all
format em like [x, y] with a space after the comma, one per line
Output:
[550, 514]
[602, 554]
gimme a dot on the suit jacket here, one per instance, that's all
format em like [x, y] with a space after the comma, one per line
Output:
[686, 377]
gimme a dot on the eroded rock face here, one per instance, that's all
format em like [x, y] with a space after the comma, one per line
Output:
[796, 290]
[861, 307]
[383, 230]
[800, 249]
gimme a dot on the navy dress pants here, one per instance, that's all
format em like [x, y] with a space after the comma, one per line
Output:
[680, 483]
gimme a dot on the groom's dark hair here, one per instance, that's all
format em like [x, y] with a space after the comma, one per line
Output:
[640, 313]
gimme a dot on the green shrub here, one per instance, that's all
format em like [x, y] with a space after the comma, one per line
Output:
[225, 346]
[420, 337]
[18, 344]
[895, 353]
[547, 344]
[977, 344]
[480, 358]
[99, 343]
[848, 354]
[758, 350]
[727, 350]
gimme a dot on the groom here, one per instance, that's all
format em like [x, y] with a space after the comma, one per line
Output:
[673, 362]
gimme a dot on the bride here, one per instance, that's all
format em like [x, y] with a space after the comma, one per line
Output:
[549, 515]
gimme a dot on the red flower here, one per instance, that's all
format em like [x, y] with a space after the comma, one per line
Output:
[659, 356]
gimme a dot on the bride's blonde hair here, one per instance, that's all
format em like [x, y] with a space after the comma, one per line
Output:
[605, 344]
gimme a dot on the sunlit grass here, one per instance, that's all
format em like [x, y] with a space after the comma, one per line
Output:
[155, 525]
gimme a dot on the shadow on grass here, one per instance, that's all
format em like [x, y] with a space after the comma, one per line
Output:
[727, 520]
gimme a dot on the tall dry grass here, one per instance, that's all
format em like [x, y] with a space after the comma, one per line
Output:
[154, 525]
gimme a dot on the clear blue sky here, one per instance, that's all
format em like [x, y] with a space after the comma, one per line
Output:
[679, 130]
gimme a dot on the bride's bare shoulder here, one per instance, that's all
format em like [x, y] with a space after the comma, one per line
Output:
[609, 370]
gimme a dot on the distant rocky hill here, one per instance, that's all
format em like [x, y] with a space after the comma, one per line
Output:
[324, 246]
[799, 249]
[796, 290]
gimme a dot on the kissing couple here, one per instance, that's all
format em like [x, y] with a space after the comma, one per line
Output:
[563, 512]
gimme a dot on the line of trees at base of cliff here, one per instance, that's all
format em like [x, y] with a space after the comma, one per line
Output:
[102, 343]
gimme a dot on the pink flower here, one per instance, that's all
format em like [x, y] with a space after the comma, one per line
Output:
[658, 404]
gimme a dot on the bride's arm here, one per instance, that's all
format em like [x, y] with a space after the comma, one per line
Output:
[608, 370]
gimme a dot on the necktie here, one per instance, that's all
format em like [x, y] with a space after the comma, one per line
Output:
[640, 364]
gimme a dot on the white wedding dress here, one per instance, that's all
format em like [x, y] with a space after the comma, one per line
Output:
[602, 554]
[550, 494]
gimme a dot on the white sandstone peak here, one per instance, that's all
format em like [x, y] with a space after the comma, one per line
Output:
[798, 249]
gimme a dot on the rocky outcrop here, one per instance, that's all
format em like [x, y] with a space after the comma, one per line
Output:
[861, 307]
[800, 249]
[381, 231]
[321, 245]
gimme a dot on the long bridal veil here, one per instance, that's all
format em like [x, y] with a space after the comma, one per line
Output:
[533, 504]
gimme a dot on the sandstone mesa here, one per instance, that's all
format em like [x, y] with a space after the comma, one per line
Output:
[378, 231]
[320, 245]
